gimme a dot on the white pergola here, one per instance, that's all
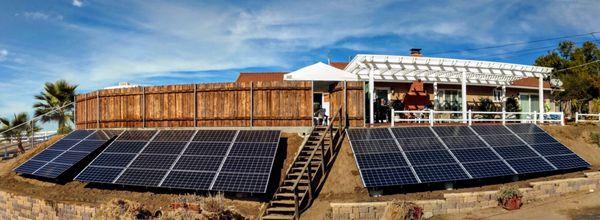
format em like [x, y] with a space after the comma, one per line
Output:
[387, 68]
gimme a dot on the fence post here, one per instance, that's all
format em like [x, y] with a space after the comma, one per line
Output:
[143, 107]
[97, 109]
[562, 119]
[470, 117]
[431, 119]
[195, 105]
[535, 117]
[75, 111]
[32, 126]
[503, 117]
[251, 103]
[392, 117]
[85, 99]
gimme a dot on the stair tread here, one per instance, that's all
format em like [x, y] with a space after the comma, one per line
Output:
[281, 209]
[278, 216]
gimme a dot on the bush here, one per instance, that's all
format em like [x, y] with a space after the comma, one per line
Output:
[595, 138]
[402, 210]
[507, 192]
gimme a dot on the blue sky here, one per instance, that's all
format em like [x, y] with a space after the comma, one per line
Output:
[100, 43]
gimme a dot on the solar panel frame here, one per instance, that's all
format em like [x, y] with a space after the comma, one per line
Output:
[568, 161]
[175, 136]
[486, 169]
[99, 174]
[188, 180]
[381, 160]
[475, 154]
[241, 182]
[388, 177]
[436, 173]
[369, 134]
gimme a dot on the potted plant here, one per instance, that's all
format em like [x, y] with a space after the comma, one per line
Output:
[509, 197]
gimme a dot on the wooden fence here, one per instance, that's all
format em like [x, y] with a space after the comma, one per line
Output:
[353, 100]
[198, 105]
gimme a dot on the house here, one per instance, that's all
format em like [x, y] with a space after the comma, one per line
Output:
[420, 82]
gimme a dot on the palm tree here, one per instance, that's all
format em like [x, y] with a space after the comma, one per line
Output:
[55, 104]
[16, 128]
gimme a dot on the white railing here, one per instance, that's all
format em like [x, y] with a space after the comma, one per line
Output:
[586, 117]
[9, 145]
[38, 136]
[431, 117]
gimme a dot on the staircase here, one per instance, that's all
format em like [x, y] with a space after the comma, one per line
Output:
[308, 171]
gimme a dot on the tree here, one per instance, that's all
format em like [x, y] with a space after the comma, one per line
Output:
[16, 128]
[581, 83]
[55, 104]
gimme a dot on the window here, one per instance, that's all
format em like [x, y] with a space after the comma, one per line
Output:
[448, 100]
[497, 95]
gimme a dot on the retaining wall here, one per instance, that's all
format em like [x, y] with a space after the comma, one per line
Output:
[22, 207]
[469, 201]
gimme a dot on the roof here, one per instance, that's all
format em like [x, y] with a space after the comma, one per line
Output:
[431, 69]
[260, 76]
[321, 72]
[339, 65]
[530, 82]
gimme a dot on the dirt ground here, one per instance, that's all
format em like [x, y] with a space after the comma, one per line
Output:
[81, 193]
[344, 182]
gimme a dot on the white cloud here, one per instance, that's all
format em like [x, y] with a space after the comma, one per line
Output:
[77, 3]
[37, 15]
[3, 55]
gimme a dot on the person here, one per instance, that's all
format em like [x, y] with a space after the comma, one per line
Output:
[382, 111]
[320, 117]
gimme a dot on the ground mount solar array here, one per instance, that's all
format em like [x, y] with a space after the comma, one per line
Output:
[416, 155]
[65, 154]
[206, 160]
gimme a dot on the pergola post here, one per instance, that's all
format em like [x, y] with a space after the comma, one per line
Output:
[371, 96]
[435, 95]
[541, 96]
[503, 98]
[463, 89]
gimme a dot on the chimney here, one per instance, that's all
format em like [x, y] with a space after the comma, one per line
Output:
[415, 52]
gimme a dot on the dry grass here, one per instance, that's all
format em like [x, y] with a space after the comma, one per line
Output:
[401, 210]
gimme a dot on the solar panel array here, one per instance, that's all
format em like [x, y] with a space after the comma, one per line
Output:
[414, 155]
[65, 153]
[208, 160]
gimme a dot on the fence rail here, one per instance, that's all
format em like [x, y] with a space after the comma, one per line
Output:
[431, 117]
[586, 117]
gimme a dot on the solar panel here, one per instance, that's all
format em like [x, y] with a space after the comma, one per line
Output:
[453, 131]
[488, 169]
[64, 154]
[412, 155]
[475, 155]
[429, 157]
[388, 177]
[440, 173]
[207, 148]
[539, 138]
[164, 148]
[99, 174]
[241, 182]
[188, 180]
[369, 134]
[215, 135]
[490, 129]
[566, 162]
[374, 146]
[199, 163]
[511, 152]
[463, 142]
[412, 132]
[502, 140]
[113, 160]
[551, 149]
[137, 135]
[530, 165]
[417, 144]
[219, 160]
[141, 177]
[125, 147]
[524, 128]
[174, 135]
[383, 160]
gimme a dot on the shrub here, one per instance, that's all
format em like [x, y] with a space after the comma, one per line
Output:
[507, 192]
[213, 207]
[595, 138]
[123, 209]
[402, 210]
